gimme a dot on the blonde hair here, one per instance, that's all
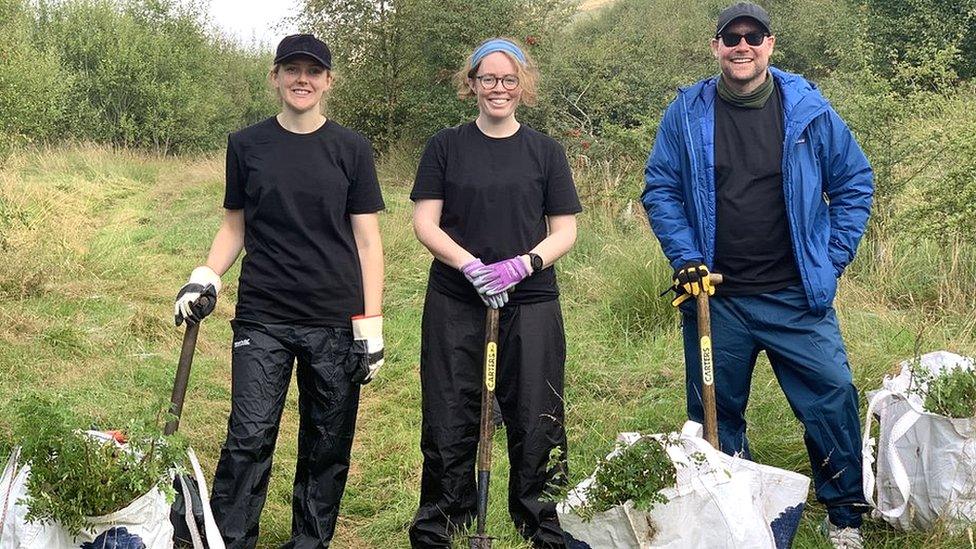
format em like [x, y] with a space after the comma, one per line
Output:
[527, 74]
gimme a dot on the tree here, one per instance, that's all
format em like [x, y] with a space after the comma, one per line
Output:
[394, 58]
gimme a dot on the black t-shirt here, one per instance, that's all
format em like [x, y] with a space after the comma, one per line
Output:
[301, 265]
[753, 247]
[497, 193]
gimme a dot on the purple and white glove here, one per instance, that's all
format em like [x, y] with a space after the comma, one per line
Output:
[477, 274]
[502, 276]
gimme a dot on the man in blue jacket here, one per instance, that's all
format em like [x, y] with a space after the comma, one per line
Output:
[754, 176]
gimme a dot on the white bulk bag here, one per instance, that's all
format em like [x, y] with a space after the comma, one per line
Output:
[926, 462]
[726, 502]
[144, 523]
[145, 520]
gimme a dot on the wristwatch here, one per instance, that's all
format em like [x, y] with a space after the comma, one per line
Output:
[536, 261]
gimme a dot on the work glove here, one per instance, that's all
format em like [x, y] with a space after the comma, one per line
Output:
[680, 295]
[477, 274]
[197, 297]
[693, 278]
[502, 276]
[367, 348]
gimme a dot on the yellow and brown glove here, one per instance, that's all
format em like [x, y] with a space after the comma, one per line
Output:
[680, 296]
[693, 278]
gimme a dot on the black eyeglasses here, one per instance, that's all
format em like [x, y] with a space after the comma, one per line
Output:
[489, 81]
[732, 39]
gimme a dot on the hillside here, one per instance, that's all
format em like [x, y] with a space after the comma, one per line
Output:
[590, 5]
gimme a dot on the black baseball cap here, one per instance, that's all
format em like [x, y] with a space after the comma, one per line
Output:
[742, 9]
[303, 44]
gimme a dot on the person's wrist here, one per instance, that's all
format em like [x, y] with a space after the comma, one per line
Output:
[465, 261]
[204, 275]
[526, 262]
[367, 326]
[468, 267]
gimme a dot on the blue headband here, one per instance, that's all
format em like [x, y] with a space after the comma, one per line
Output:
[493, 45]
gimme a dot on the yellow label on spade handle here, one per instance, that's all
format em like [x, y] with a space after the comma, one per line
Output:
[491, 362]
[708, 373]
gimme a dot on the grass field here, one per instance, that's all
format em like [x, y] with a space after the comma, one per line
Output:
[95, 242]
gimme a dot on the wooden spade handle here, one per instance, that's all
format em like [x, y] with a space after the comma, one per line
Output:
[707, 364]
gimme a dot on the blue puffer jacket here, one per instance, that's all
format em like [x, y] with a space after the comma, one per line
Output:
[827, 183]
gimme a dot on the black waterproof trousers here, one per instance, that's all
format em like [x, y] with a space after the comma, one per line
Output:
[261, 366]
[529, 387]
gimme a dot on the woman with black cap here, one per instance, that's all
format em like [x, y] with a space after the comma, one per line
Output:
[495, 204]
[301, 199]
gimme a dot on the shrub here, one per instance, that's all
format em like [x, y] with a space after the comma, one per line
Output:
[815, 38]
[950, 207]
[953, 394]
[142, 73]
[921, 44]
[943, 205]
[33, 85]
[610, 74]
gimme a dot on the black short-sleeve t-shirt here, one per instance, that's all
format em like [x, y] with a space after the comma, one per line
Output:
[752, 234]
[497, 193]
[301, 265]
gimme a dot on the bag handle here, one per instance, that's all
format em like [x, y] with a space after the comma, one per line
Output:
[191, 523]
[214, 540]
[898, 472]
[9, 473]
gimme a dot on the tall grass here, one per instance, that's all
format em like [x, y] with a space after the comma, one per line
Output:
[920, 273]
[96, 241]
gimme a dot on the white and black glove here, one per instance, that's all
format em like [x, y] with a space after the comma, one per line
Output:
[367, 348]
[197, 297]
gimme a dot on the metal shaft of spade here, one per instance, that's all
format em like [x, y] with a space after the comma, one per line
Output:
[182, 378]
[183, 373]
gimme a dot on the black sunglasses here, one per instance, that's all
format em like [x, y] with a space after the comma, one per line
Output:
[732, 39]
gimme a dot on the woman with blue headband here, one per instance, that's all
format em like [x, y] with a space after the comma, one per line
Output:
[496, 206]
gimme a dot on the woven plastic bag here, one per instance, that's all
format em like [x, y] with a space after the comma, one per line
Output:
[925, 470]
[143, 524]
[725, 502]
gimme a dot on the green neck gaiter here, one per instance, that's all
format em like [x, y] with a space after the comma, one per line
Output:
[755, 100]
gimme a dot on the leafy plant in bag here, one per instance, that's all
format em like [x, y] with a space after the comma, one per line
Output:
[74, 476]
[636, 473]
[951, 393]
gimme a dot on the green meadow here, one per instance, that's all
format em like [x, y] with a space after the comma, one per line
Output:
[113, 119]
[95, 242]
